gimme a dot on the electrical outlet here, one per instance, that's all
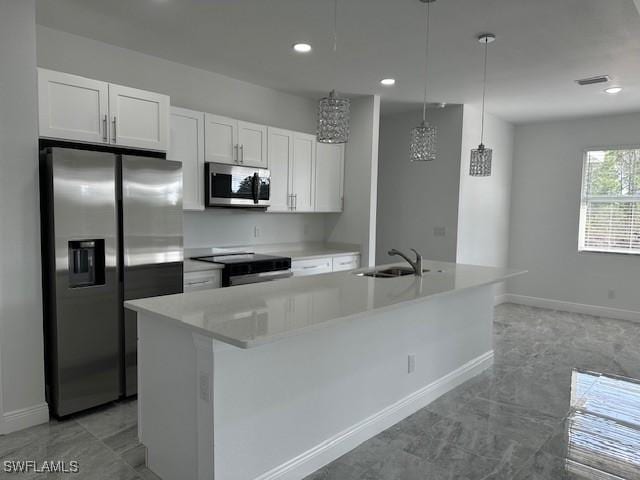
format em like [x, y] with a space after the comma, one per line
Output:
[439, 231]
[256, 231]
[411, 363]
[204, 387]
[611, 294]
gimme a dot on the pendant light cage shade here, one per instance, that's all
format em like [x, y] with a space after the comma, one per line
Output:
[481, 158]
[334, 115]
[422, 146]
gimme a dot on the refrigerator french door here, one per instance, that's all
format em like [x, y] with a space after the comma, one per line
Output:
[111, 230]
[152, 252]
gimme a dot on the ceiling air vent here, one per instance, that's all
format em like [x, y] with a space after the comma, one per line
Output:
[593, 80]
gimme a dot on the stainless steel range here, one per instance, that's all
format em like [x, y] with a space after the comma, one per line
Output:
[244, 267]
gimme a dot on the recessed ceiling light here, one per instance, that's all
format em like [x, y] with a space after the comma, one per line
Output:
[613, 90]
[388, 82]
[302, 47]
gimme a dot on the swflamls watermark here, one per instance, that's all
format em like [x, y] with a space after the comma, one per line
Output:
[47, 466]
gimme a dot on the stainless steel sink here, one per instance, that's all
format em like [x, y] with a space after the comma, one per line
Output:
[388, 272]
[392, 272]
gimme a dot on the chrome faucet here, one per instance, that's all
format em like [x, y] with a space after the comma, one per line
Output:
[417, 265]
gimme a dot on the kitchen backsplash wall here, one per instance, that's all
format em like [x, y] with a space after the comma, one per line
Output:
[221, 227]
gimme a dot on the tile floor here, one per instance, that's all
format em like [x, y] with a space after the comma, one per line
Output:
[104, 441]
[531, 416]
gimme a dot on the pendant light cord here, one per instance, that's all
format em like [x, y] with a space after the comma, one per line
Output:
[426, 63]
[335, 43]
[484, 88]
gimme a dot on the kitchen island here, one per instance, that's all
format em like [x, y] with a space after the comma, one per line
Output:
[274, 380]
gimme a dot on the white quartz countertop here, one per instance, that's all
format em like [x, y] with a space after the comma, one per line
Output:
[251, 315]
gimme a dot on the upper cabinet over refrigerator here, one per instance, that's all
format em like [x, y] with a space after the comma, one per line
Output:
[85, 110]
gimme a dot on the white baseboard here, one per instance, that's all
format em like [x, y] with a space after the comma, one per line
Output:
[595, 310]
[25, 418]
[500, 299]
[336, 446]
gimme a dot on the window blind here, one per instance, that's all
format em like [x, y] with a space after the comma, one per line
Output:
[610, 210]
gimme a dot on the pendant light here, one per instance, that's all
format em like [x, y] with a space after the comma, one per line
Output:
[422, 146]
[481, 157]
[333, 111]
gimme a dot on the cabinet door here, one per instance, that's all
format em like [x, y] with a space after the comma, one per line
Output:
[314, 266]
[205, 280]
[221, 139]
[329, 177]
[186, 145]
[302, 172]
[139, 119]
[252, 142]
[72, 107]
[280, 155]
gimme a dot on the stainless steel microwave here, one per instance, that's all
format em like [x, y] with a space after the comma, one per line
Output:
[235, 186]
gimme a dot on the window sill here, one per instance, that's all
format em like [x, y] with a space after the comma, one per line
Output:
[610, 252]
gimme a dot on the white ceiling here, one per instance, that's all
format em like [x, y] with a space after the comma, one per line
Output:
[542, 47]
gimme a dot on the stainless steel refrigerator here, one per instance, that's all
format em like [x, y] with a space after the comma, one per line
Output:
[111, 231]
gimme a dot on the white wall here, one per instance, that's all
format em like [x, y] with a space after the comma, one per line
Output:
[357, 223]
[544, 217]
[21, 351]
[484, 204]
[414, 198]
[200, 90]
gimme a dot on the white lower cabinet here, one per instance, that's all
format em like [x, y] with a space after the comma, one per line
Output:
[346, 262]
[202, 280]
[187, 146]
[315, 266]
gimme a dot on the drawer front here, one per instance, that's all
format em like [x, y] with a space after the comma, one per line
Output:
[346, 262]
[206, 280]
[314, 266]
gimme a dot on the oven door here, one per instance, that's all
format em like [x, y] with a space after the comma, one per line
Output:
[234, 186]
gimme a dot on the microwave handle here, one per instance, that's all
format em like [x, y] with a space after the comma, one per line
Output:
[255, 187]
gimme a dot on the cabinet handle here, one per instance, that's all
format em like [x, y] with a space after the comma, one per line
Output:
[104, 128]
[199, 283]
[115, 137]
[295, 201]
[242, 154]
[236, 155]
[346, 263]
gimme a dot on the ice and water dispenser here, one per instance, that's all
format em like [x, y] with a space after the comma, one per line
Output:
[86, 263]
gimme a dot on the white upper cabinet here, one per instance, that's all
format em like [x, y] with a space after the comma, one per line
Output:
[329, 177]
[235, 142]
[73, 107]
[252, 144]
[302, 172]
[280, 155]
[221, 139]
[85, 110]
[187, 146]
[139, 119]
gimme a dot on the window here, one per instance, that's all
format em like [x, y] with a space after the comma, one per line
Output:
[610, 208]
